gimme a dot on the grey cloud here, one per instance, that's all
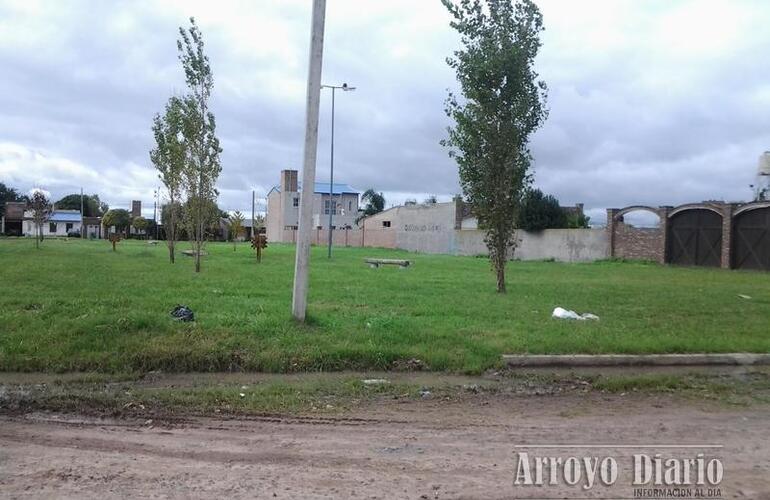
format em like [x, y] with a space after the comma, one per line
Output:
[628, 124]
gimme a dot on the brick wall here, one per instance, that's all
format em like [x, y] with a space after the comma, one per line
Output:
[639, 242]
[642, 243]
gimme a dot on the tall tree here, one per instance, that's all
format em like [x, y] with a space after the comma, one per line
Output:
[236, 226]
[169, 157]
[40, 206]
[199, 130]
[92, 205]
[503, 103]
[375, 203]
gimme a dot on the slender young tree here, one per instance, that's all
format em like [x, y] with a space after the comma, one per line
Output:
[202, 167]
[236, 226]
[502, 104]
[40, 206]
[169, 157]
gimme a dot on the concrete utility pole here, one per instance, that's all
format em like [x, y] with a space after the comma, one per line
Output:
[332, 207]
[253, 207]
[302, 261]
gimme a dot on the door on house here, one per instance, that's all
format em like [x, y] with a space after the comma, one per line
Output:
[751, 239]
[695, 238]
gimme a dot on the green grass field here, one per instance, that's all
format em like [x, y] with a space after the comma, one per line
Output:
[76, 305]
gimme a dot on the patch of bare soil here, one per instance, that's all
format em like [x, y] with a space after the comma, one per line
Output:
[414, 449]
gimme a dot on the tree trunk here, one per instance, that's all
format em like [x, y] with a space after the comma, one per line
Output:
[171, 232]
[198, 240]
[500, 268]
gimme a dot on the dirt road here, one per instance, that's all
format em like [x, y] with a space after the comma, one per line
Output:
[409, 449]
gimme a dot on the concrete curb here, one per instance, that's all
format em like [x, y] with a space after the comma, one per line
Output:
[735, 359]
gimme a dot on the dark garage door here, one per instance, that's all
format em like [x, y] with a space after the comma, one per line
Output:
[695, 238]
[751, 239]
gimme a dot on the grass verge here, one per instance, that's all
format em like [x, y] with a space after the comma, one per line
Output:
[78, 306]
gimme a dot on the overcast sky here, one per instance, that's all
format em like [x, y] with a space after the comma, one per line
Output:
[653, 102]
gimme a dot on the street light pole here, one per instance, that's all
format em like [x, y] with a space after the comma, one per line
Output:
[345, 88]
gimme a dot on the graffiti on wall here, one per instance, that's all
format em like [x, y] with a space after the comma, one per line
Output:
[423, 228]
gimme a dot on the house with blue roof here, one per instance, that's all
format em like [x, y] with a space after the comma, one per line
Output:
[283, 206]
[59, 223]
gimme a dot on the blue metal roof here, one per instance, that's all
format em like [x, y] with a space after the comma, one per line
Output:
[323, 188]
[62, 216]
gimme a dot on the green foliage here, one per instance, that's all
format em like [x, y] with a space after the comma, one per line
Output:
[92, 205]
[578, 220]
[539, 211]
[140, 223]
[120, 218]
[207, 212]
[235, 221]
[117, 317]
[375, 203]
[503, 103]
[169, 210]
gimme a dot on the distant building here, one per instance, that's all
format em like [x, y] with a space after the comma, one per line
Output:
[12, 222]
[283, 206]
[136, 208]
[93, 227]
[59, 223]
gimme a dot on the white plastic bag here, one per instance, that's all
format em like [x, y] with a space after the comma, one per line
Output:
[562, 313]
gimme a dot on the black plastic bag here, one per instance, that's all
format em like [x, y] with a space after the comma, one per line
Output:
[183, 313]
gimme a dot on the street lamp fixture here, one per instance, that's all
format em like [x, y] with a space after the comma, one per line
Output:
[345, 88]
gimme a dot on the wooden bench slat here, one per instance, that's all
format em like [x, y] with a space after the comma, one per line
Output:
[396, 262]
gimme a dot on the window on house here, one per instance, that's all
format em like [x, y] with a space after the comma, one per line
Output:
[69, 227]
[295, 202]
[386, 223]
[333, 204]
[51, 227]
[350, 206]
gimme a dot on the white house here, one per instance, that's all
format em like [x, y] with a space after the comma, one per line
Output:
[59, 223]
[283, 206]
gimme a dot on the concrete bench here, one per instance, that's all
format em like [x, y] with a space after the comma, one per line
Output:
[375, 263]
